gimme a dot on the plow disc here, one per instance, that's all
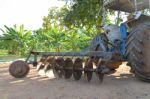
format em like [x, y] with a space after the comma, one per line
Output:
[100, 76]
[59, 63]
[88, 66]
[48, 64]
[68, 68]
[77, 69]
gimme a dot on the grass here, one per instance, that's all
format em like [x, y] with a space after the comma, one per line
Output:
[5, 57]
[3, 52]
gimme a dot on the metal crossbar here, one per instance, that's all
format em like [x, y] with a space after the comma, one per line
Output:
[135, 4]
[149, 5]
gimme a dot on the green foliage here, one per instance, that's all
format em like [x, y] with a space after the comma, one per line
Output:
[85, 12]
[69, 28]
[89, 13]
[3, 53]
[55, 18]
[16, 39]
[61, 37]
[49, 40]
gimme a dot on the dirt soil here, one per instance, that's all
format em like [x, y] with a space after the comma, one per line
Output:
[121, 85]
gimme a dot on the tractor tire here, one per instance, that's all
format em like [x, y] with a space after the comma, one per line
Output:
[138, 51]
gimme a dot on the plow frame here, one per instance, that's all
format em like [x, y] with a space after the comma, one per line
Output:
[106, 57]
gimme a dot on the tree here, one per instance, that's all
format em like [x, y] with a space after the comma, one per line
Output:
[85, 12]
[50, 40]
[16, 39]
[60, 36]
[55, 18]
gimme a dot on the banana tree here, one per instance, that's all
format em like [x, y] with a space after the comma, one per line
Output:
[16, 39]
[55, 39]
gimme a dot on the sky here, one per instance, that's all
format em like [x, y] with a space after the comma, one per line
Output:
[27, 12]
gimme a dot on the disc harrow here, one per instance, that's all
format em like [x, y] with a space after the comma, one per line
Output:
[67, 65]
[73, 64]
[77, 64]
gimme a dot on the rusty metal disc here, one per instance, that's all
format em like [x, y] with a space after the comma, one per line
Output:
[48, 64]
[19, 69]
[68, 68]
[41, 63]
[99, 74]
[58, 65]
[88, 65]
[77, 73]
[40, 66]
[100, 77]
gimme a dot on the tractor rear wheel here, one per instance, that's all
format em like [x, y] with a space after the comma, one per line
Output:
[138, 51]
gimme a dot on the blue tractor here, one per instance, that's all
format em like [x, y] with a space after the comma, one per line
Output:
[129, 42]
